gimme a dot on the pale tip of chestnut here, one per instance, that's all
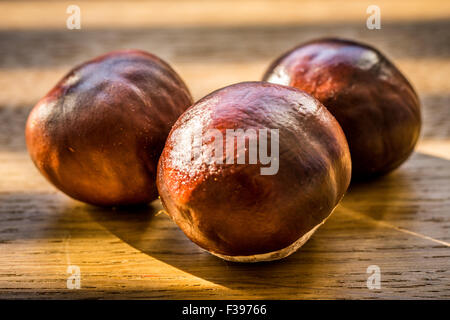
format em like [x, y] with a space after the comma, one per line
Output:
[274, 255]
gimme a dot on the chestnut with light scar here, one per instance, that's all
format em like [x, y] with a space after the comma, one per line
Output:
[230, 208]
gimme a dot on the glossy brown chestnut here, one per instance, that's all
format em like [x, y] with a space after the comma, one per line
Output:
[233, 210]
[374, 103]
[98, 134]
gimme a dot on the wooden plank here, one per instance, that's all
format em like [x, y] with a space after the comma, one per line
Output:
[132, 14]
[399, 223]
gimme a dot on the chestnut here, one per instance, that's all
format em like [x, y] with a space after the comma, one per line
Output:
[98, 134]
[246, 195]
[373, 102]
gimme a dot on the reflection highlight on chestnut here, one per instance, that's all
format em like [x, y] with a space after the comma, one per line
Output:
[228, 207]
[374, 103]
[98, 134]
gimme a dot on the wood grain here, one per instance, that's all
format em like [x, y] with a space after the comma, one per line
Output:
[157, 13]
[399, 222]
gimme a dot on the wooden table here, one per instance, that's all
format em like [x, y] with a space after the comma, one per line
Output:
[400, 222]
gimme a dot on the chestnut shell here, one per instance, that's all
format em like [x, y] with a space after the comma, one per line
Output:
[373, 102]
[98, 134]
[233, 210]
